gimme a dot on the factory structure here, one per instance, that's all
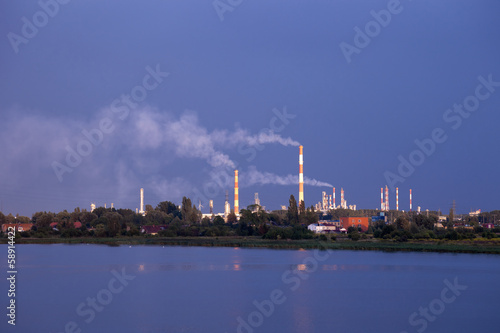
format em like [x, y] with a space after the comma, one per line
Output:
[327, 203]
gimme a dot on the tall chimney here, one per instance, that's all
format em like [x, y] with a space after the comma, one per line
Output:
[410, 200]
[211, 206]
[386, 198]
[227, 207]
[301, 174]
[342, 202]
[397, 198]
[236, 194]
[382, 199]
[141, 209]
[334, 198]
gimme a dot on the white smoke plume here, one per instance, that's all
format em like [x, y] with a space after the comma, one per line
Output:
[270, 137]
[254, 177]
[189, 139]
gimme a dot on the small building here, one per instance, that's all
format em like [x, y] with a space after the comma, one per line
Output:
[323, 227]
[442, 218]
[20, 227]
[488, 225]
[476, 213]
[356, 222]
[438, 225]
[152, 229]
[381, 217]
[76, 225]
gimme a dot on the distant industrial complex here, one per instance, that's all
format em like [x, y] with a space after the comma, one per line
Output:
[326, 204]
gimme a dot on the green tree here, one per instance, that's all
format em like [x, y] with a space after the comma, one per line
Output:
[114, 223]
[218, 221]
[186, 207]
[293, 212]
[311, 216]
[451, 218]
[231, 218]
[353, 233]
[169, 208]
[402, 223]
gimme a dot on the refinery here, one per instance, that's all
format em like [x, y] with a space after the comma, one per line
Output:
[326, 203]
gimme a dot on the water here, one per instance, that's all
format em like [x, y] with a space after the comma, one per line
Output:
[197, 289]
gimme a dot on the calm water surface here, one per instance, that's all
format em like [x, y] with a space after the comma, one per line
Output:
[94, 288]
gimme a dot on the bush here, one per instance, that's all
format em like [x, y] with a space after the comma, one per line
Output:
[488, 234]
[451, 235]
[323, 238]
[354, 236]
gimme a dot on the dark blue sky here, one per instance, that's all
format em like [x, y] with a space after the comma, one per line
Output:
[227, 80]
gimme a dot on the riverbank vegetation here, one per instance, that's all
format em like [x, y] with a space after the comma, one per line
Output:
[169, 224]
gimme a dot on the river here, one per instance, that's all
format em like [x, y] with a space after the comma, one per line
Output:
[98, 288]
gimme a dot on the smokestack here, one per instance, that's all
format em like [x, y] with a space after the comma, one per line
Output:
[227, 207]
[211, 207]
[410, 200]
[386, 198]
[334, 198]
[397, 198]
[236, 194]
[342, 202]
[301, 174]
[382, 199]
[330, 203]
[141, 207]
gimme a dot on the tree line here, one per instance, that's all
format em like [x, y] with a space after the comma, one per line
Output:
[184, 220]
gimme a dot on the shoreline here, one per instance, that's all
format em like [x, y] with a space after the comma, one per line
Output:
[483, 246]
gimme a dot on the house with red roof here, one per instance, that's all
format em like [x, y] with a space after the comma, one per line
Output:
[20, 227]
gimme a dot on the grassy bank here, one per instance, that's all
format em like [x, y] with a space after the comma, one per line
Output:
[470, 246]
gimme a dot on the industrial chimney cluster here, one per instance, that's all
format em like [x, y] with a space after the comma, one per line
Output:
[328, 202]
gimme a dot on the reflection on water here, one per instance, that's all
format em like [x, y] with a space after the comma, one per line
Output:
[180, 289]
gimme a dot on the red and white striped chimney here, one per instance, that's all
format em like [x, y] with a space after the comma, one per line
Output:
[236, 194]
[386, 198]
[334, 198]
[301, 174]
[410, 200]
[342, 203]
[397, 198]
